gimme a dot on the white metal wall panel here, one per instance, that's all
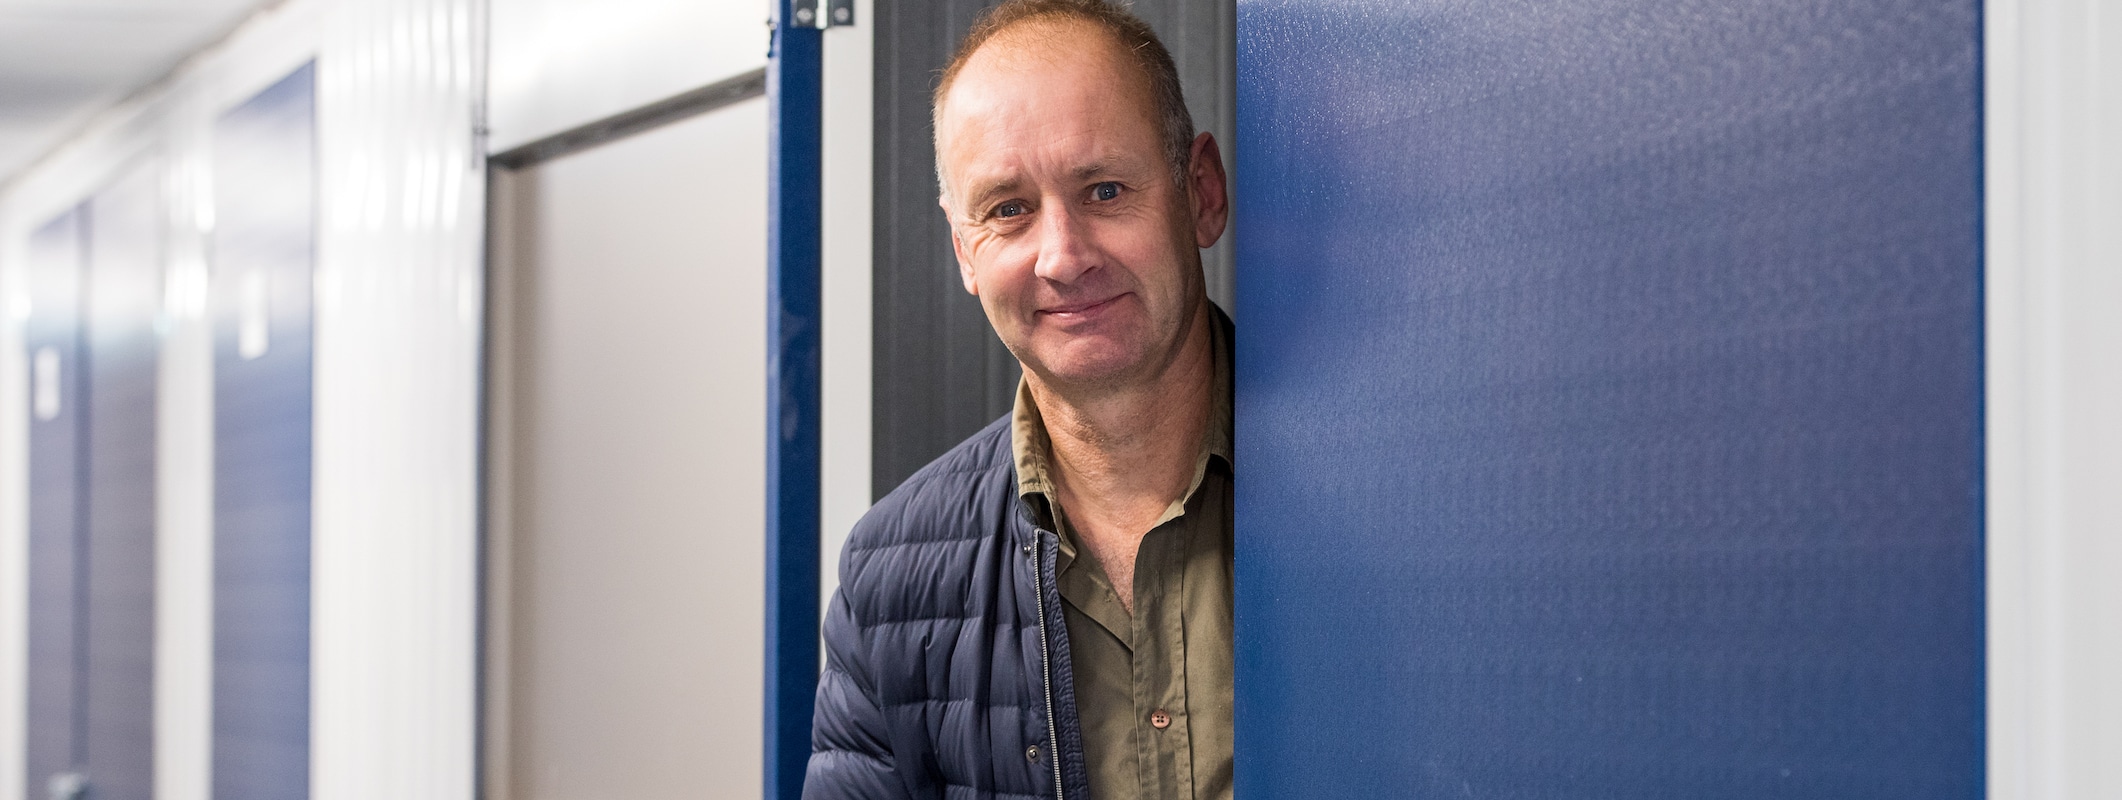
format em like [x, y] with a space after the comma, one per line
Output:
[398, 322]
[2054, 281]
[14, 505]
[558, 64]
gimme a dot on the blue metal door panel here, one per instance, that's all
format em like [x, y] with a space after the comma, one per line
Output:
[1609, 394]
[264, 244]
[53, 340]
[124, 293]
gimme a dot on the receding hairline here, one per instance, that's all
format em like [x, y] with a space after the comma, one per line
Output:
[1017, 40]
[1012, 45]
[1134, 44]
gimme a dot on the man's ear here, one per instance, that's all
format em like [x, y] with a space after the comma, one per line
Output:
[1209, 188]
[957, 248]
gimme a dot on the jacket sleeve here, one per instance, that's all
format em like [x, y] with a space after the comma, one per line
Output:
[851, 755]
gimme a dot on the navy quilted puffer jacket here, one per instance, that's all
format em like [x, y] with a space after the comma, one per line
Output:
[947, 673]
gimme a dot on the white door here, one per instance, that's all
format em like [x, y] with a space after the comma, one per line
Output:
[626, 443]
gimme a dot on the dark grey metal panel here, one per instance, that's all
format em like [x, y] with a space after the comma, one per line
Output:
[53, 336]
[123, 300]
[265, 190]
[1201, 35]
[940, 373]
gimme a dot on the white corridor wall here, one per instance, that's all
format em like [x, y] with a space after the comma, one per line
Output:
[559, 64]
[397, 338]
[2053, 275]
[398, 331]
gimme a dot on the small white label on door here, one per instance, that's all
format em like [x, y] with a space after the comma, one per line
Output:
[44, 384]
[252, 326]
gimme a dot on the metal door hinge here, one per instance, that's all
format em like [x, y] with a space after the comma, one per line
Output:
[809, 14]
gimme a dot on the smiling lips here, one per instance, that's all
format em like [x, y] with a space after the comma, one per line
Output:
[1080, 310]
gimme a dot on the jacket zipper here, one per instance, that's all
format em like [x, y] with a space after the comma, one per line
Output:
[1046, 664]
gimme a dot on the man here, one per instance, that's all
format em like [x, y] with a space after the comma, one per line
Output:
[1046, 609]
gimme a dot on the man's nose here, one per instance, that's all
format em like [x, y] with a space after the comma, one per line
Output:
[1065, 253]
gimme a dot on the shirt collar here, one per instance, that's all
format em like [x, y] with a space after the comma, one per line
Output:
[1033, 449]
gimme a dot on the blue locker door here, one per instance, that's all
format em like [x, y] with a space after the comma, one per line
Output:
[264, 235]
[53, 340]
[124, 292]
[1610, 399]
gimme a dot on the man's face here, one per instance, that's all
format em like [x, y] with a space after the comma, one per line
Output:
[1064, 214]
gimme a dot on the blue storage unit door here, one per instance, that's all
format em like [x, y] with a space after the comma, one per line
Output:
[95, 275]
[263, 259]
[1609, 395]
[52, 338]
[123, 302]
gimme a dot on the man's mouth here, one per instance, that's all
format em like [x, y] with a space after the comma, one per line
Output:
[1080, 310]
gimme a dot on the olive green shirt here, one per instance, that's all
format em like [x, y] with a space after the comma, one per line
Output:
[1153, 688]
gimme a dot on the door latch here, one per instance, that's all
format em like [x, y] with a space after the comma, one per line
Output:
[66, 786]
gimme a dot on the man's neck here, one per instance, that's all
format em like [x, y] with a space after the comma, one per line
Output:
[1122, 455]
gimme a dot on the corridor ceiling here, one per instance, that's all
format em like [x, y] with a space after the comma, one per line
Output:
[62, 61]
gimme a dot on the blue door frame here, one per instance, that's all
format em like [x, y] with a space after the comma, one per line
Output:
[793, 413]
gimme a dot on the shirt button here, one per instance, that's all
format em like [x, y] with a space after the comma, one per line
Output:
[1160, 719]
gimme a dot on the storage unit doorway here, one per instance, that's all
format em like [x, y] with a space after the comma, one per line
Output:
[626, 428]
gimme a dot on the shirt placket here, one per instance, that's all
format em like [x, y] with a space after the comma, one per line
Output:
[1164, 755]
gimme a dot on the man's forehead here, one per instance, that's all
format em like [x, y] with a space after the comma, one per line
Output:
[1009, 67]
[1055, 98]
[1001, 147]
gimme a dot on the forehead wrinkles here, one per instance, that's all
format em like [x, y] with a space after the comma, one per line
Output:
[1004, 169]
[1005, 154]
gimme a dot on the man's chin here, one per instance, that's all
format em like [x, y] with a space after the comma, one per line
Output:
[1092, 369]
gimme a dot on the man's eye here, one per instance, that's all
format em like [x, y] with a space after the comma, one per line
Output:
[1105, 191]
[1007, 210]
